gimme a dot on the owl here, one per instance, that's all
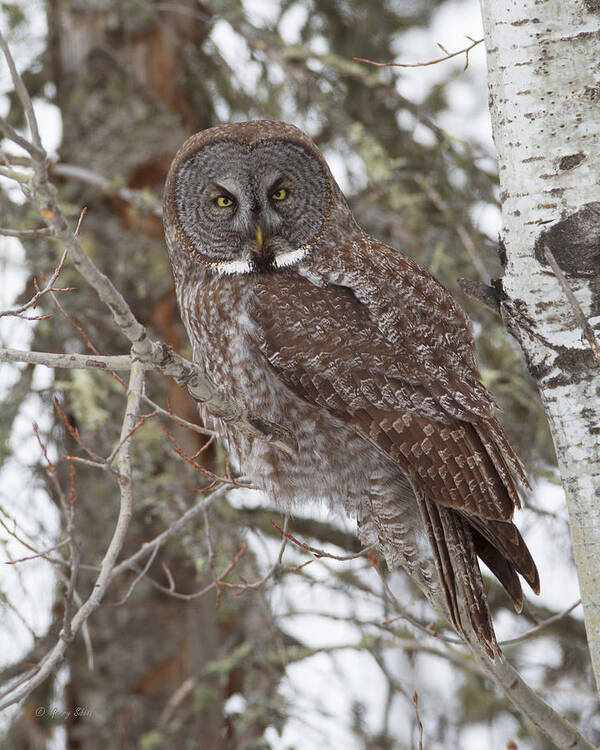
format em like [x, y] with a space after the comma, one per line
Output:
[357, 352]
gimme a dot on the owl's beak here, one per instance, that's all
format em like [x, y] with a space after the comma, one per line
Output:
[262, 254]
[259, 237]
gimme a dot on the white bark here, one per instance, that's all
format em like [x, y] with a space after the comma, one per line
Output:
[544, 101]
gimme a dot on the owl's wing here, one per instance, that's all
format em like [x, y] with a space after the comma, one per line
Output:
[325, 345]
[426, 329]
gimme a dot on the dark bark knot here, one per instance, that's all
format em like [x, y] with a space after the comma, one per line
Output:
[572, 160]
[574, 242]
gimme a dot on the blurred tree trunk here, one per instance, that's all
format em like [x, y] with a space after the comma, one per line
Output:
[543, 94]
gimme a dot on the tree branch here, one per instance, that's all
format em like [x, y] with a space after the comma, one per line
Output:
[149, 353]
[107, 566]
[448, 56]
[68, 361]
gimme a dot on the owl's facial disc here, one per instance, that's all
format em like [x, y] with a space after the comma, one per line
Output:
[251, 209]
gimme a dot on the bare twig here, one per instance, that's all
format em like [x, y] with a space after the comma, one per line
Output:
[180, 420]
[158, 541]
[140, 200]
[40, 292]
[37, 148]
[42, 554]
[10, 133]
[548, 721]
[74, 433]
[448, 56]
[136, 580]
[419, 722]
[26, 234]
[579, 314]
[108, 564]
[426, 629]
[141, 420]
[461, 231]
[184, 372]
[277, 564]
[534, 631]
[176, 700]
[319, 553]
[219, 579]
[80, 221]
[169, 575]
[74, 559]
[144, 350]
[216, 583]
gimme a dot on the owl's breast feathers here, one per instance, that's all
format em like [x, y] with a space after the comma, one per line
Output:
[373, 338]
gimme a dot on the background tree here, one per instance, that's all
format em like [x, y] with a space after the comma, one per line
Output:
[131, 80]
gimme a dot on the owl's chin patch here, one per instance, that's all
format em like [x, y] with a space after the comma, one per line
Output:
[263, 263]
[283, 260]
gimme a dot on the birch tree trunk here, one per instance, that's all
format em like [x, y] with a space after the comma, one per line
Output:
[543, 61]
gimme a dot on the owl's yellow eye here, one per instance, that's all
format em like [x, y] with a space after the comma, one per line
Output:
[224, 201]
[279, 195]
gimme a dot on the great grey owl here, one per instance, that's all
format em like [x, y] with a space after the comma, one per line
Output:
[356, 351]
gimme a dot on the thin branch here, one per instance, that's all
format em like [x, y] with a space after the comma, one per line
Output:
[25, 100]
[8, 159]
[141, 420]
[11, 133]
[137, 198]
[175, 701]
[37, 555]
[534, 631]
[448, 56]
[216, 583]
[169, 575]
[74, 558]
[278, 562]
[136, 580]
[157, 355]
[108, 564]
[426, 629]
[419, 722]
[464, 236]
[159, 540]
[579, 314]
[12, 174]
[26, 234]
[548, 721]
[40, 292]
[319, 553]
[74, 433]
[180, 420]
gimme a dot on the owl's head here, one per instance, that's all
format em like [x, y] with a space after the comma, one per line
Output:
[248, 197]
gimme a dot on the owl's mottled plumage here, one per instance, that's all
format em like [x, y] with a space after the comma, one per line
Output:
[357, 351]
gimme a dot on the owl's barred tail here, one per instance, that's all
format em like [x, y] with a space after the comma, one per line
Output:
[458, 570]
